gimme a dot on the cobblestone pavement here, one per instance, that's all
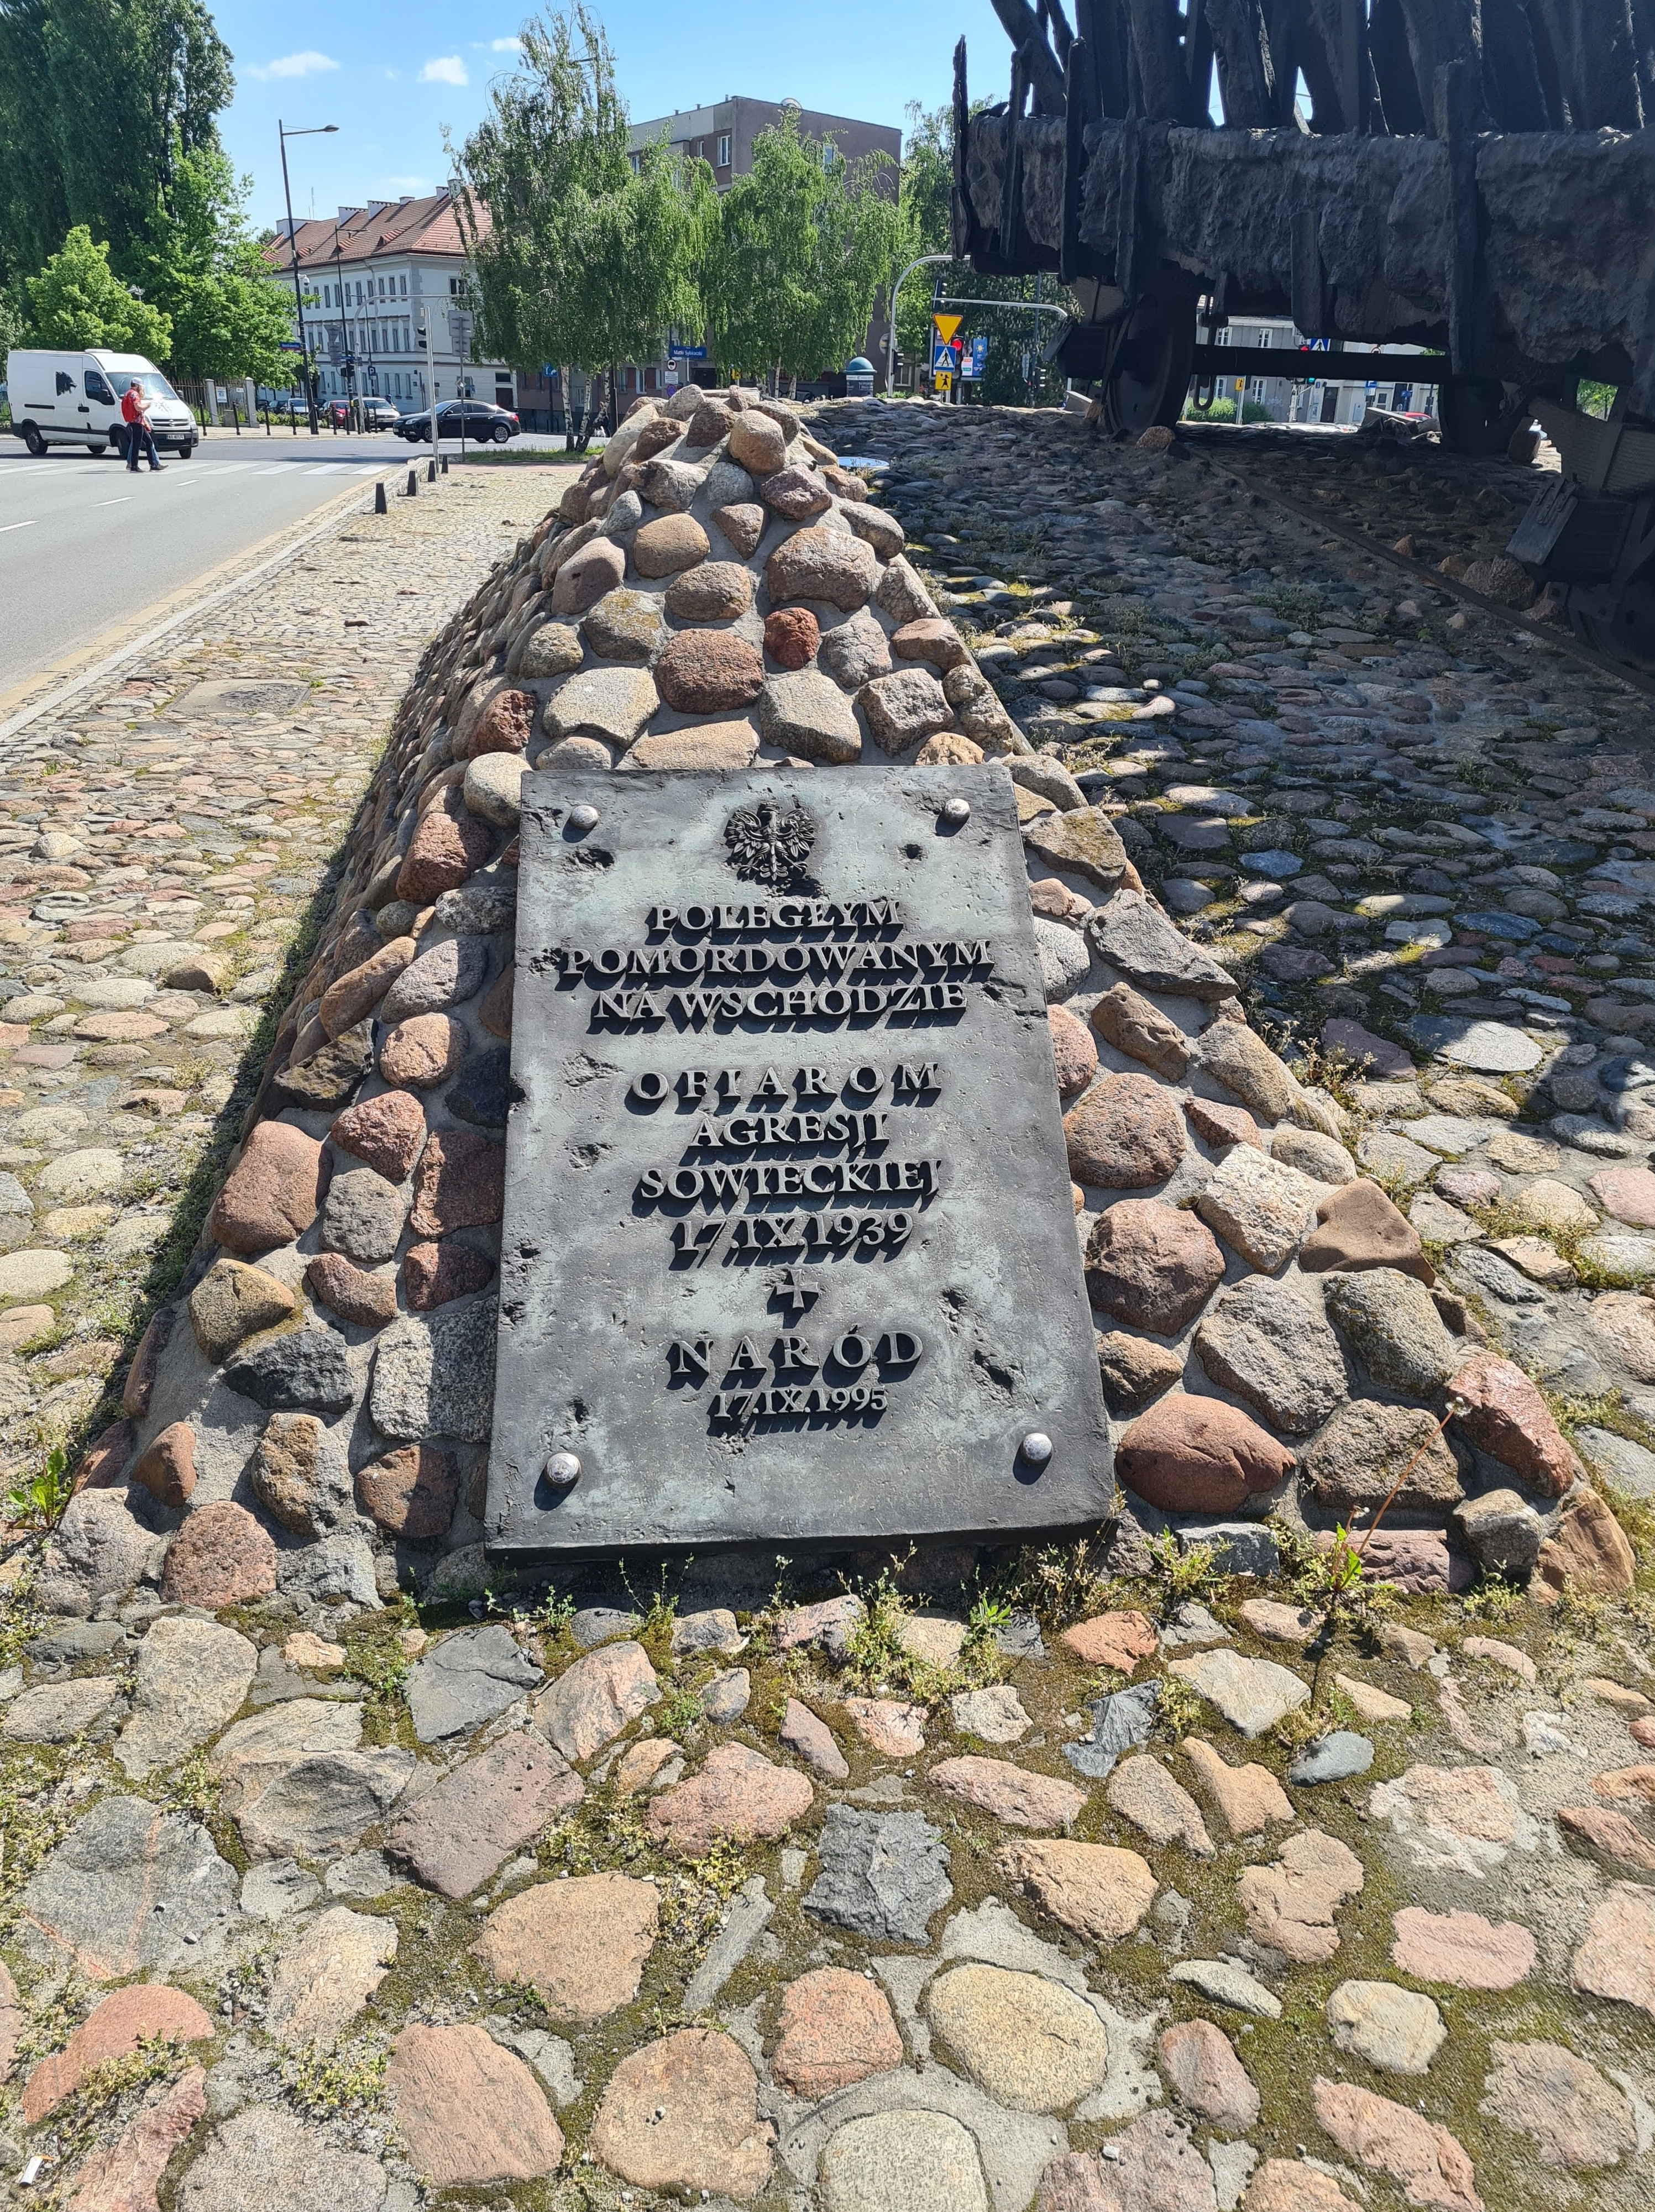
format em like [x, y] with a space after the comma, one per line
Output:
[163, 842]
[1157, 1874]
[1421, 835]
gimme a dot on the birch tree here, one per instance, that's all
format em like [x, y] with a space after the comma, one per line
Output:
[584, 254]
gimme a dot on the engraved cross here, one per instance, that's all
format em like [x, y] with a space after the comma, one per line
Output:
[795, 1291]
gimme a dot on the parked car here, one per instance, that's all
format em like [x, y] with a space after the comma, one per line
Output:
[482, 424]
[74, 397]
[373, 412]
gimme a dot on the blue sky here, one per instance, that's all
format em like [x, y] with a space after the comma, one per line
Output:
[392, 79]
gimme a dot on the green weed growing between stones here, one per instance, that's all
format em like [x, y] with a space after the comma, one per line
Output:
[1183, 1574]
[1179, 1710]
[1315, 1576]
[1493, 1601]
[35, 1818]
[606, 1834]
[1056, 1583]
[678, 1712]
[87, 2109]
[375, 1658]
[1607, 1410]
[194, 1788]
[348, 2082]
[874, 1653]
[20, 1620]
[1296, 1730]
[1297, 604]
[38, 1501]
[981, 1662]
[50, 2024]
[552, 1616]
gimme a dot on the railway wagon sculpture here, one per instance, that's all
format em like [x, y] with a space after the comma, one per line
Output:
[1474, 179]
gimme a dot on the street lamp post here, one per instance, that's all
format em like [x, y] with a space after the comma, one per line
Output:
[923, 262]
[315, 130]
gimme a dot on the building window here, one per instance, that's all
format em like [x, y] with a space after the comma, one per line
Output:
[649, 380]
[405, 285]
[723, 149]
[636, 162]
[830, 153]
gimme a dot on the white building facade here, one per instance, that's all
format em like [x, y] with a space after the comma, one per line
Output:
[374, 278]
[1282, 386]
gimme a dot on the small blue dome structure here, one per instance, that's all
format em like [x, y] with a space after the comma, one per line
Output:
[859, 379]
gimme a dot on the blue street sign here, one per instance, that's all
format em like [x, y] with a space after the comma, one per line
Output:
[976, 360]
[686, 353]
[288, 345]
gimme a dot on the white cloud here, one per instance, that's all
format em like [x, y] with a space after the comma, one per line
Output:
[308, 64]
[447, 68]
[506, 45]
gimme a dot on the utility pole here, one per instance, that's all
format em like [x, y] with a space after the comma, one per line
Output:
[315, 130]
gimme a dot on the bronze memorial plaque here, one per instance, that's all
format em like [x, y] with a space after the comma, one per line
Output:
[789, 1248]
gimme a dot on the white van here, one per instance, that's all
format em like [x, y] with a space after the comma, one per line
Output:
[74, 398]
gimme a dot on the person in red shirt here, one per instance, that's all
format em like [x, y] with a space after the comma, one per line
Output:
[140, 437]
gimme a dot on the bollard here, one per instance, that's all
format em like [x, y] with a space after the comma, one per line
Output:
[445, 464]
[431, 471]
[380, 505]
[413, 482]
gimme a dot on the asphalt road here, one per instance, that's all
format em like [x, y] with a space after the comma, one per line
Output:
[86, 548]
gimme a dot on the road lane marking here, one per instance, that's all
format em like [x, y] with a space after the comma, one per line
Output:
[314, 529]
[30, 524]
[121, 501]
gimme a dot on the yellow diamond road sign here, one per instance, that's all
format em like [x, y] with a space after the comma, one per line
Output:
[947, 326]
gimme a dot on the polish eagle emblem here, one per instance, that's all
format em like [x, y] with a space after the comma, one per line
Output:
[770, 844]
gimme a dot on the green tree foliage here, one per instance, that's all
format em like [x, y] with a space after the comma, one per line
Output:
[33, 205]
[98, 100]
[927, 176]
[77, 300]
[805, 242]
[579, 260]
[207, 275]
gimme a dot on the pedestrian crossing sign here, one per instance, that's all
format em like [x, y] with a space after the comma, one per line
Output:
[942, 358]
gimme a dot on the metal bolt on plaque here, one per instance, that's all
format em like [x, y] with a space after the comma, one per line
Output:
[956, 812]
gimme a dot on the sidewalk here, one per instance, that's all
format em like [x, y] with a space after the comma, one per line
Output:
[164, 835]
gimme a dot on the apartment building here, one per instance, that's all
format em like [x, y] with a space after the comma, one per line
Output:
[723, 136]
[373, 277]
